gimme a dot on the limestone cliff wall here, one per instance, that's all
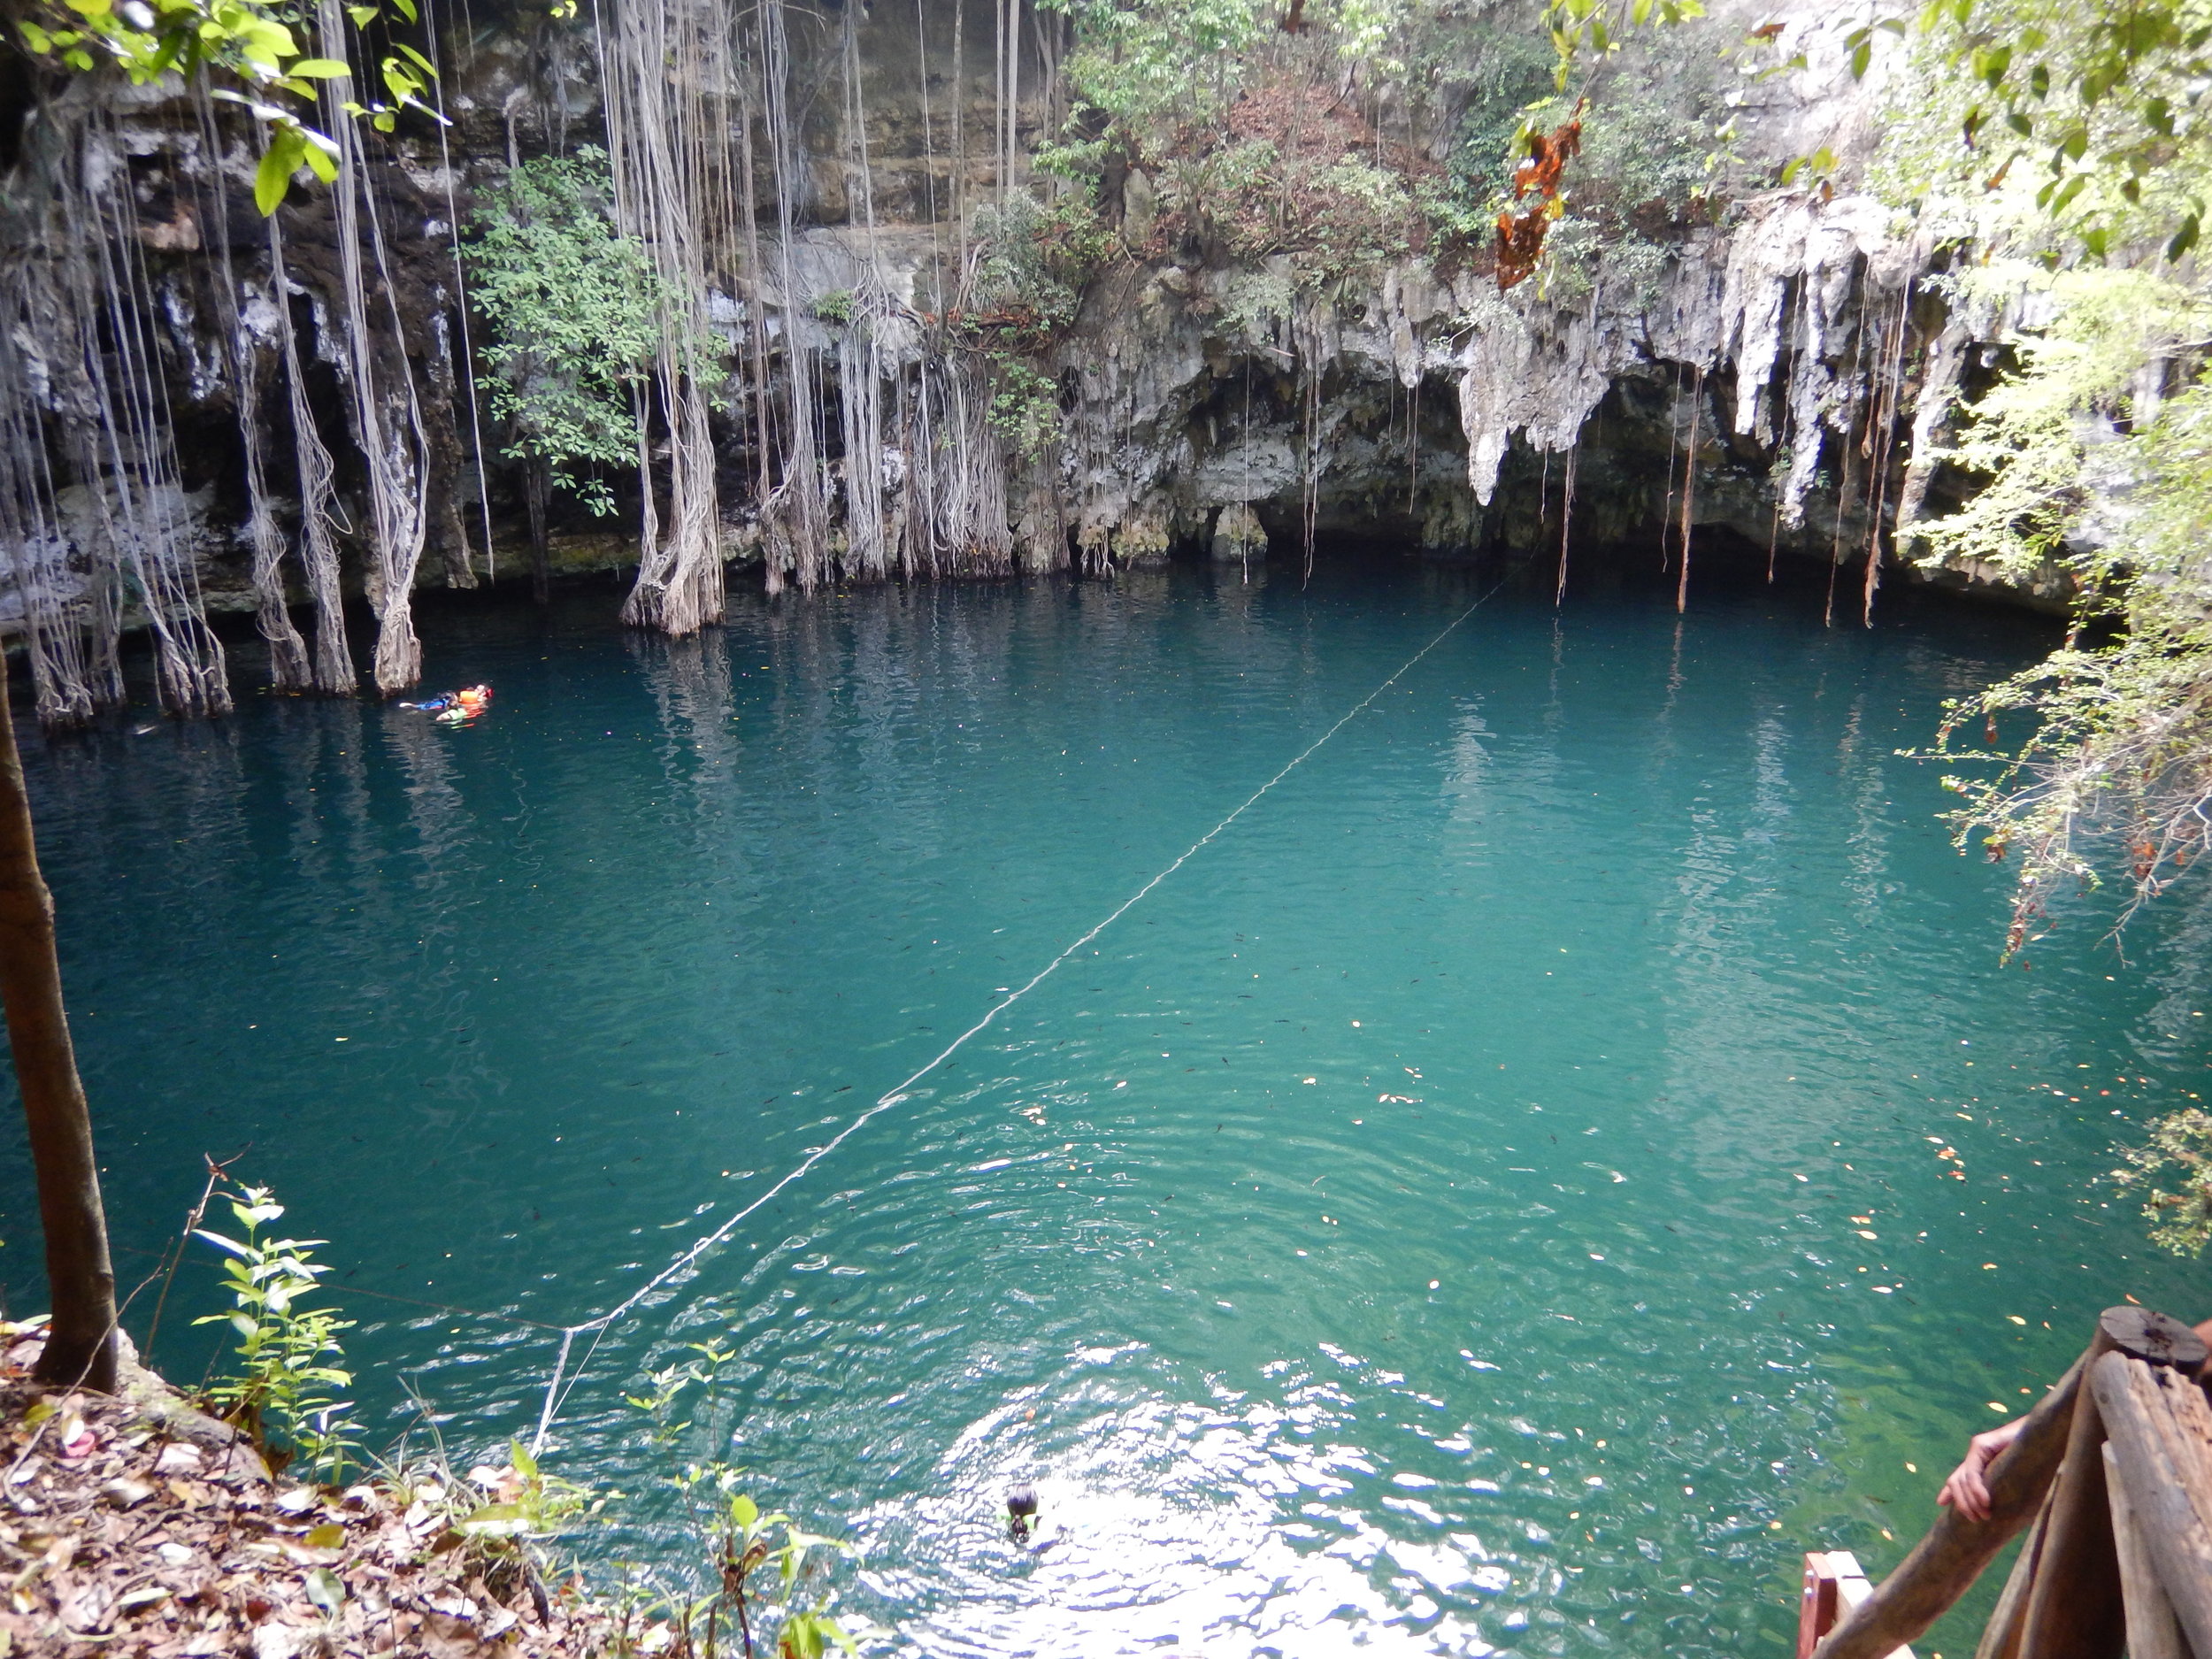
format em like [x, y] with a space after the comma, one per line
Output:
[1776, 368]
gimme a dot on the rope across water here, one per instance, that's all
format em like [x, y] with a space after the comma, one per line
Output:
[555, 1394]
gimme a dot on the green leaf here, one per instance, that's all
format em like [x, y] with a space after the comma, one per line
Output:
[743, 1510]
[427, 67]
[1861, 55]
[319, 68]
[271, 180]
[363, 16]
[2184, 239]
[220, 1242]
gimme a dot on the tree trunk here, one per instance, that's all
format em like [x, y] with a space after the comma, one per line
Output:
[81, 1343]
[537, 488]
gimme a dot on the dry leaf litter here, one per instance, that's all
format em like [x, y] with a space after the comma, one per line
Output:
[132, 1524]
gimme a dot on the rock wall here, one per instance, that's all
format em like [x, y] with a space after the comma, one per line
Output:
[1776, 369]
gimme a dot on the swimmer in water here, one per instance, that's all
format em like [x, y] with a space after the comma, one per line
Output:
[1021, 1511]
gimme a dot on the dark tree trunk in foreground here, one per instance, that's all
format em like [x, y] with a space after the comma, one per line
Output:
[81, 1343]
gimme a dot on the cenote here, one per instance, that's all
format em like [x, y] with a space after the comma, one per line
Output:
[1565, 1150]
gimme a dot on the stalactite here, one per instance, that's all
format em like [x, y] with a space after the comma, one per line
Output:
[1846, 452]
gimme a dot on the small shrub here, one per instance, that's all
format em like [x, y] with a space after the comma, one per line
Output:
[283, 1392]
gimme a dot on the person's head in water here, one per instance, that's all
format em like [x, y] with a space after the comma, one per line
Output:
[1021, 1510]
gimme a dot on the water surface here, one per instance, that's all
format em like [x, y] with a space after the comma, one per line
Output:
[1492, 1198]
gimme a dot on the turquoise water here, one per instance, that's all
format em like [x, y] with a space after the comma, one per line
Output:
[1431, 1222]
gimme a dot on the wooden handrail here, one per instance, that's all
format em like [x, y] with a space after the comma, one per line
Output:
[2064, 1599]
[1945, 1563]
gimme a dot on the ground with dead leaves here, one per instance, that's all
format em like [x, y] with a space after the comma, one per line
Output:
[133, 1525]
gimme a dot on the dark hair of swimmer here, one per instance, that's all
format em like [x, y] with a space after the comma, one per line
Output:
[1021, 1510]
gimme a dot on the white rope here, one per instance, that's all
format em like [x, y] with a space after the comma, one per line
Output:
[554, 1393]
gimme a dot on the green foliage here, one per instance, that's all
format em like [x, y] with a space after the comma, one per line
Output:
[2103, 99]
[835, 306]
[283, 1393]
[249, 49]
[1583, 29]
[1500, 72]
[1145, 65]
[2172, 1174]
[763, 1573]
[574, 311]
[1033, 261]
[2027, 442]
[1025, 406]
[2116, 766]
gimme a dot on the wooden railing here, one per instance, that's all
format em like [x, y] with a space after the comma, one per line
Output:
[2112, 1471]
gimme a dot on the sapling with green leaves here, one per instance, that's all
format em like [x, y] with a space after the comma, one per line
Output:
[765, 1574]
[284, 1391]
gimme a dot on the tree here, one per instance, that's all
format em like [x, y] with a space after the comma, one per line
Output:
[81, 1348]
[574, 309]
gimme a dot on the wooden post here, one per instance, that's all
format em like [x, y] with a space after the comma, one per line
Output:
[2153, 1630]
[81, 1342]
[2161, 1434]
[2074, 1610]
[2000, 1636]
[1945, 1563]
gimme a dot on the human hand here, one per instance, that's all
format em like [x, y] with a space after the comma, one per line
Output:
[1967, 1490]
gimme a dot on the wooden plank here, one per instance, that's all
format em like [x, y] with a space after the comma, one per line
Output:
[2161, 1431]
[2074, 1608]
[2000, 1636]
[2154, 1632]
[1834, 1584]
[1944, 1564]
[1815, 1602]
